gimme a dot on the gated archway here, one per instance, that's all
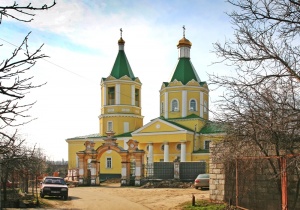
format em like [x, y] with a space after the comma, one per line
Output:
[89, 170]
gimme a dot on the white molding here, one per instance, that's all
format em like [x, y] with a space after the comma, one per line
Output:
[166, 105]
[160, 121]
[118, 94]
[184, 104]
[201, 105]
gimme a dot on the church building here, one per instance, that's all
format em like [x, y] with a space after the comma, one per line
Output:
[182, 132]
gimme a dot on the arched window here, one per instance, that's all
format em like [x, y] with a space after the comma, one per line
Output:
[178, 146]
[162, 107]
[175, 107]
[193, 105]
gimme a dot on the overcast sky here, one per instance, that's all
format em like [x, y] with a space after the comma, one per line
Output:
[80, 38]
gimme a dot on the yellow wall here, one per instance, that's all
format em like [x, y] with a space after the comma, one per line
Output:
[116, 163]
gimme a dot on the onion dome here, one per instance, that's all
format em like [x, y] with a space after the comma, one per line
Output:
[184, 43]
[121, 41]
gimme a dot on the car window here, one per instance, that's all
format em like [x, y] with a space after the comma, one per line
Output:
[54, 181]
[203, 176]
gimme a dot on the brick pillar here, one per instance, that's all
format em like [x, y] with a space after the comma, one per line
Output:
[81, 168]
[125, 173]
[138, 169]
[217, 176]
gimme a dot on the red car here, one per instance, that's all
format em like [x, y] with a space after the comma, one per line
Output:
[202, 181]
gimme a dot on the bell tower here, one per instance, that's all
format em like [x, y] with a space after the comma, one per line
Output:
[121, 109]
[185, 96]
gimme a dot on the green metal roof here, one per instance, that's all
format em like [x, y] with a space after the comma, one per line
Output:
[121, 66]
[96, 135]
[185, 71]
[212, 127]
[128, 134]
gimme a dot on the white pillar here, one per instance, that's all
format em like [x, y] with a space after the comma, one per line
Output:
[166, 152]
[201, 104]
[118, 94]
[184, 104]
[166, 105]
[183, 152]
[150, 153]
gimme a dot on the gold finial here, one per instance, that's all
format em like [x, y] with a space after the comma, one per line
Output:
[183, 30]
[121, 32]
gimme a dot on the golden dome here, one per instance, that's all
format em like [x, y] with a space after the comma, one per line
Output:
[121, 41]
[184, 42]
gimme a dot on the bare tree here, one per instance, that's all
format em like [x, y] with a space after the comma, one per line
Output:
[15, 82]
[260, 107]
[265, 39]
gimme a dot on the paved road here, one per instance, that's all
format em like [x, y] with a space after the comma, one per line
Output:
[112, 196]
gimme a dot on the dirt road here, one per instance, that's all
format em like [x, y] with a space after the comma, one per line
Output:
[114, 197]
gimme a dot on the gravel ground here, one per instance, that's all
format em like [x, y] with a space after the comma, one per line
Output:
[111, 196]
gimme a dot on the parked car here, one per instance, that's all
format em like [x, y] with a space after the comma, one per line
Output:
[54, 186]
[202, 181]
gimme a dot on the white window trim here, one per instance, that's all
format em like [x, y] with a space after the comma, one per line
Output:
[112, 126]
[176, 109]
[190, 108]
[111, 162]
[205, 142]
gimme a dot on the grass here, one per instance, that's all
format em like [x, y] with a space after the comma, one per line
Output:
[205, 205]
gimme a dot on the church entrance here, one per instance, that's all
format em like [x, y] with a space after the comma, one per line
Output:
[131, 161]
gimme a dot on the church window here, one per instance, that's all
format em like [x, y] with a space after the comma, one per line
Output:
[109, 126]
[178, 146]
[111, 95]
[137, 97]
[193, 105]
[206, 144]
[108, 162]
[162, 107]
[162, 147]
[175, 107]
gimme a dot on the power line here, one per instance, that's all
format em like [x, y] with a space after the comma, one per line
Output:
[61, 67]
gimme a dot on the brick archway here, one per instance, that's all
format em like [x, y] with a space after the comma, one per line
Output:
[95, 154]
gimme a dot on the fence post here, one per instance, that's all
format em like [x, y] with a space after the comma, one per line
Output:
[284, 199]
[176, 170]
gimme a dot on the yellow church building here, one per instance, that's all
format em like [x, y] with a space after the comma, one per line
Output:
[182, 132]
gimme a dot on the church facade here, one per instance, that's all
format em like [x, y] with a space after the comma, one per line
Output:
[182, 132]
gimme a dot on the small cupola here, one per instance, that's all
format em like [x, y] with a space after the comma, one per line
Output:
[184, 45]
[121, 41]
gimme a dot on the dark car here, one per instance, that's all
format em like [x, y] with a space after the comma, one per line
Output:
[202, 181]
[54, 186]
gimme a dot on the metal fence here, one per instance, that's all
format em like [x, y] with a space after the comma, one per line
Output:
[188, 171]
[264, 182]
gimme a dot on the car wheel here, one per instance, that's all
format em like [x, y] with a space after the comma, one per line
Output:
[65, 197]
[196, 188]
[42, 195]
